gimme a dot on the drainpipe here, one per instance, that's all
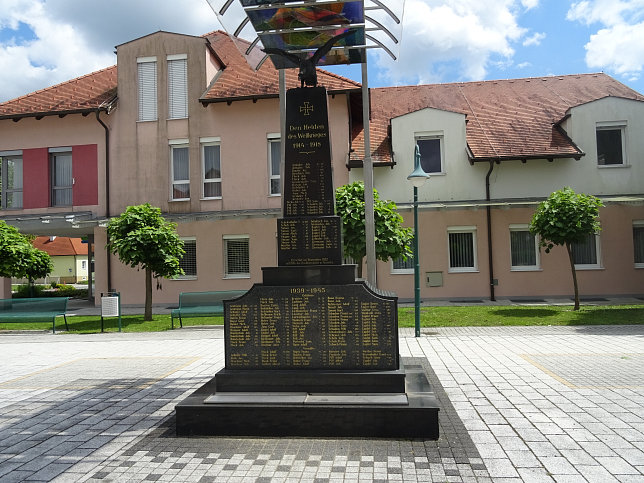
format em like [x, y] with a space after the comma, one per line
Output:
[107, 191]
[488, 210]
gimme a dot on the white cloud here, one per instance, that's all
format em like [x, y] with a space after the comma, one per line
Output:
[618, 47]
[454, 39]
[534, 39]
[76, 37]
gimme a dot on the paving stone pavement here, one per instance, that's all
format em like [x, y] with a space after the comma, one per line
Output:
[532, 404]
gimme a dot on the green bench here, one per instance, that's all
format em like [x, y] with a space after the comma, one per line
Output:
[202, 304]
[40, 309]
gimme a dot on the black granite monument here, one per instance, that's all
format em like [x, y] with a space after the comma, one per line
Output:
[311, 351]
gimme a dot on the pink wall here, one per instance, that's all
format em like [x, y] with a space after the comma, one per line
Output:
[35, 171]
[85, 173]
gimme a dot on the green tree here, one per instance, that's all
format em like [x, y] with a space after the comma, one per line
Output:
[563, 219]
[392, 239]
[19, 258]
[142, 238]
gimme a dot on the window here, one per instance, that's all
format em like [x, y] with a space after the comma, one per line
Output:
[610, 144]
[147, 79]
[431, 153]
[524, 249]
[274, 162]
[180, 163]
[211, 167]
[585, 253]
[11, 180]
[178, 86]
[61, 177]
[189, 260]
[402, 266]
[462, 249]
[83, 264]
[236, 257]
[638, 243]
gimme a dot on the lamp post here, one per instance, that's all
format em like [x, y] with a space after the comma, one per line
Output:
[417, 179]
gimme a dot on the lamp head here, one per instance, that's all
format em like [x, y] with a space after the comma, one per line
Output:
[418, 177]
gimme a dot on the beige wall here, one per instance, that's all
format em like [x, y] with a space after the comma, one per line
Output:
[262, 234]
[616, 276]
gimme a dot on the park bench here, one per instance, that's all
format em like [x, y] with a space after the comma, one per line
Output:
[202, 304]
[41, 309]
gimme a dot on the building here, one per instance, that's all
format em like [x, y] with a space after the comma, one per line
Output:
[69, 257]
[183, 123]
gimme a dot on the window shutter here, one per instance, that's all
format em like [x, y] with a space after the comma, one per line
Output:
[147, 91]
[177, 88]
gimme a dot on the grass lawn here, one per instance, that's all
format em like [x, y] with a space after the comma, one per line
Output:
[495, 315]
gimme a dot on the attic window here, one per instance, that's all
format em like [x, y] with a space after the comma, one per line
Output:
[611, 144]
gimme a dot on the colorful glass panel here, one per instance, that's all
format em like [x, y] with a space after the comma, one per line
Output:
[339, 13]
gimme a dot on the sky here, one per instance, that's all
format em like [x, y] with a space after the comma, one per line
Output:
[45, 42]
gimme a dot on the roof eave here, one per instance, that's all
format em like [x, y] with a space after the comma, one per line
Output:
[104, 107]
[255, 97]
[548, 156]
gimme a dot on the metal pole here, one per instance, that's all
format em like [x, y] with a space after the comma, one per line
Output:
[416, 268]
[367, 174]
[282, 88]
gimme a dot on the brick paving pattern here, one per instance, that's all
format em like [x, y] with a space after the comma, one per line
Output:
[517, 404]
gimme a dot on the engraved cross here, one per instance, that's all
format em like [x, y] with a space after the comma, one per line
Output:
[307, 108]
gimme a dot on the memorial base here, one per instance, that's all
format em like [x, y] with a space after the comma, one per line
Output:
[394, 404]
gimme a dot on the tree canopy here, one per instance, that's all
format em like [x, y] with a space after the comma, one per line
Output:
[142, 238]
[392, 239]
[19, 258]
[564, 218]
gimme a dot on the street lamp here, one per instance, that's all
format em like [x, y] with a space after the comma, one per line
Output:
[417, 179]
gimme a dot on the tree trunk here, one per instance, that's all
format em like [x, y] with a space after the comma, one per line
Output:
[574, 275]
[148, 294]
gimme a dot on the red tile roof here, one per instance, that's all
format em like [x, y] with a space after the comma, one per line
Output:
[83, 94]
[239, 81]
[60, 245]
[507, 119]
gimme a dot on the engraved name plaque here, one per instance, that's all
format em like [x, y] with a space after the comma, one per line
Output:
[312, 327]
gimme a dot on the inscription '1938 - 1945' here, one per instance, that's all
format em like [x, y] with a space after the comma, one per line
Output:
[312, 327]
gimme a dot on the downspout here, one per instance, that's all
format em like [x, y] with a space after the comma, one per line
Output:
[488, 210]
[107, 191]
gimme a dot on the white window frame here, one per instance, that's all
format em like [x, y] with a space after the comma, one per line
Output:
[177, 86]
[462, 229]
[440, 136]
[189, 276]
[402, 271]
[226, 239]
[178, 144]
[5, 157]
[612, 126]
[209, 141]
[147, 89]
[637, 224]
[598, 264]
[537, 258]
[273, 138]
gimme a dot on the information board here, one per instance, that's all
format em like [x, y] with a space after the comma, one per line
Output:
[311, 327]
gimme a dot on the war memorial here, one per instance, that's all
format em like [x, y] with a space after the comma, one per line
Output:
[311, 351]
